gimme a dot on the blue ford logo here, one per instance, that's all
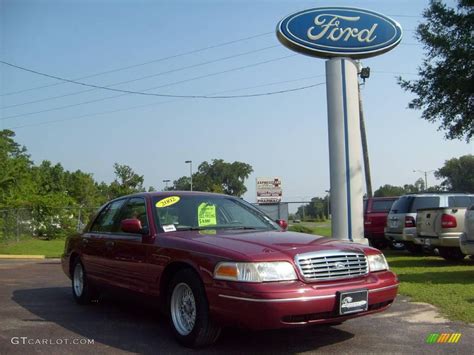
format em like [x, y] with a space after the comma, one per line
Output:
[339, 32]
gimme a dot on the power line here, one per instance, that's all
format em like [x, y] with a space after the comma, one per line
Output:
[143, 92]
[144, 77]
[144, 63]
[161, 103]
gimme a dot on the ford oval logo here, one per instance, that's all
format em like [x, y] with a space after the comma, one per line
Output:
[339, 32]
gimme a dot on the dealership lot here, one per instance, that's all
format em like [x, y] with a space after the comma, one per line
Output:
[38, 315]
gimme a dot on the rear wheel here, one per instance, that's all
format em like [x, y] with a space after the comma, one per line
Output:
[414, 248]
[451, 254]
[378, 243]
[82, 291]
[397, 245]
[189, 311]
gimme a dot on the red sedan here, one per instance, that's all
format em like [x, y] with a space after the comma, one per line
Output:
[214, 260]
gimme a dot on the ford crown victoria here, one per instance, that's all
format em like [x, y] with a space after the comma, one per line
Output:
[213, 260]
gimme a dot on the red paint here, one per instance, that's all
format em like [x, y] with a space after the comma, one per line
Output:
[136, 262]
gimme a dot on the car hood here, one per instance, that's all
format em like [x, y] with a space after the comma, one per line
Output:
[270, 243]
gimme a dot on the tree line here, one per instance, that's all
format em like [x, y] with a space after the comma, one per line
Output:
[50, 201]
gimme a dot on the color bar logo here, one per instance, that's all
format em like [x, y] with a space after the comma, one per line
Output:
[441, 338]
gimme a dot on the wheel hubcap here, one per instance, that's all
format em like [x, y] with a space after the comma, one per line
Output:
[183, 309]
[78, 280]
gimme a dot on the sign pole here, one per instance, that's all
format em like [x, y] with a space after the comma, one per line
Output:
[345, 163]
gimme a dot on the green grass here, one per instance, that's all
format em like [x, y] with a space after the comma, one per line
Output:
[49, 248]
[319, 228]
[431, 279]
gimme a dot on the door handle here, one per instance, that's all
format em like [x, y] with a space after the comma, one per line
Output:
[85, 241]
[109, 243]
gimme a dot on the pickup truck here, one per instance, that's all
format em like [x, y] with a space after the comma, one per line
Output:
[441, 228]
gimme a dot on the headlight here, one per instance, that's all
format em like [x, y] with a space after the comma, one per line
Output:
[377, 262]
[255, 272]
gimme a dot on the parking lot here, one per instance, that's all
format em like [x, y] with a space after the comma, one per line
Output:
[38, 315]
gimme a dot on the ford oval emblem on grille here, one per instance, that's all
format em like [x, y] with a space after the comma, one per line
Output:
[339, 265]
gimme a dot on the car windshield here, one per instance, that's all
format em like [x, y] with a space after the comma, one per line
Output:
[198, 212]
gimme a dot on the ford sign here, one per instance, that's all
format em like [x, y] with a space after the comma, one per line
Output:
[339, 32]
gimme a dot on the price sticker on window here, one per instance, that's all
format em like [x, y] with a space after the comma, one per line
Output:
[207, 215]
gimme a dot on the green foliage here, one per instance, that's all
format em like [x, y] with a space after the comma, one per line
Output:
[126, 182]
[458, 174]
[217, 176]
[446, 76]
[317, 209]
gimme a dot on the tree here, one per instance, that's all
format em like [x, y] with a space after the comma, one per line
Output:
[126, 181]
[15, 171]
[445, 88]
[217, 176]
[390, 190]
[458, 174]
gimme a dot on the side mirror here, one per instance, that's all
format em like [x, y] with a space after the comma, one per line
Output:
[131, 225]
[282, 223]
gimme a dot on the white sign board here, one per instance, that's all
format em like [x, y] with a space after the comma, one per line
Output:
[268, 190]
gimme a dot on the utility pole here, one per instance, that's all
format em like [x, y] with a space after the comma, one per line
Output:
[425, 173]
[190, 162]
[364, 74]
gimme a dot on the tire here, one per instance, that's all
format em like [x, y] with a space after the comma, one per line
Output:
[397, 245]
[451, 254]
[377, 243]
[414, 248]
[189, 311]
[82, 291]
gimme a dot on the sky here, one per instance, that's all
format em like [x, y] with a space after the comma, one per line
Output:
[196, 47]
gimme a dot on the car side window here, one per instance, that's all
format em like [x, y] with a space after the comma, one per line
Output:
[136, 208]
[106, 221]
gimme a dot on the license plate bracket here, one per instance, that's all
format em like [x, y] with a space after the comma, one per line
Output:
[353, 301]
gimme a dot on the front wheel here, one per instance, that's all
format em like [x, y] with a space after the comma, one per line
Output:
[189, 311]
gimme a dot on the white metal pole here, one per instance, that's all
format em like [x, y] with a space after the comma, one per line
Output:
[345, 155]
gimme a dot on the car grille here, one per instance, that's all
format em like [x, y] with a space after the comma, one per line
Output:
[330, 265]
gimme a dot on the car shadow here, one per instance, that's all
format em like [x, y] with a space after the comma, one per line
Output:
[138, 327]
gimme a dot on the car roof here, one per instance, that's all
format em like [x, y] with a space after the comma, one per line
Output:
[173, 193]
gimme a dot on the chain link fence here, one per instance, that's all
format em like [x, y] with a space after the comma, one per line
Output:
[43, 223]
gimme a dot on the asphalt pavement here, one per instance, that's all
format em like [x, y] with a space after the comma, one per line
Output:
[38, 315]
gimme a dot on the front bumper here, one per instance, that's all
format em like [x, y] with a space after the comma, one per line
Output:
[467, 245]
[295, 304]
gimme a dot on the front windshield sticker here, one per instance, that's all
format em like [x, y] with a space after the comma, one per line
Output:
[169, 228]
[207, 215]
[167, 201]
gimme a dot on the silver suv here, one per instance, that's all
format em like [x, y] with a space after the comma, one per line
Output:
[401, 220]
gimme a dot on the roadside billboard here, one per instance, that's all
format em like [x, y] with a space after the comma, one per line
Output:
[269, 190]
